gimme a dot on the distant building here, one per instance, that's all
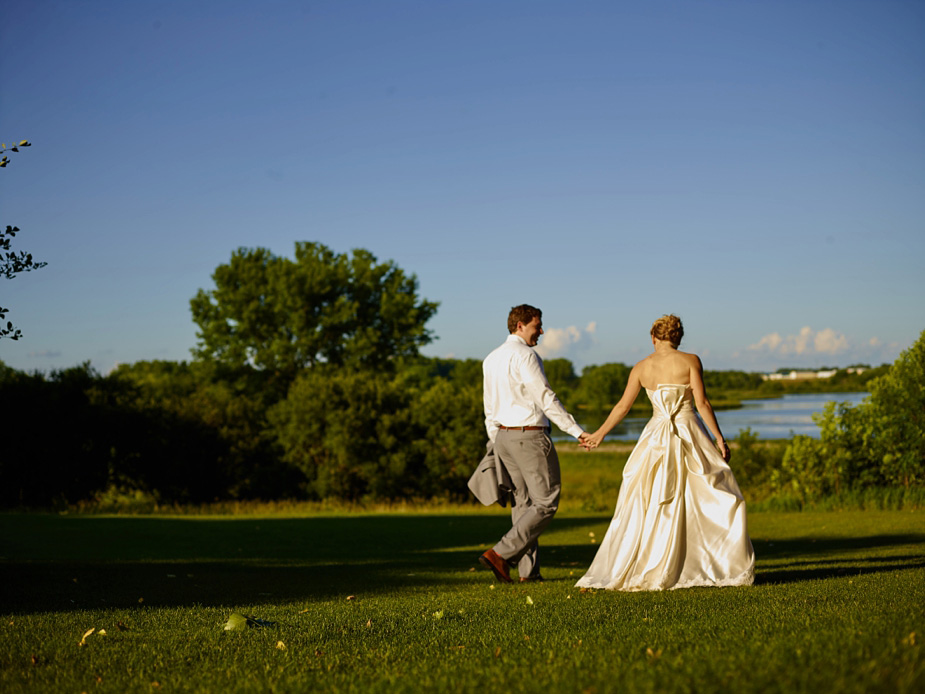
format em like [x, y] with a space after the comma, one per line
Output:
[801, 375]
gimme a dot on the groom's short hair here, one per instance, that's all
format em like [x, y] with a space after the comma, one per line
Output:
[522, 314]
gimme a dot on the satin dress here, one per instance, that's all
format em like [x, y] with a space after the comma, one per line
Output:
[680, 517]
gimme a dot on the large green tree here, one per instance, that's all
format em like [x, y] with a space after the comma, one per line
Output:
[283, 315]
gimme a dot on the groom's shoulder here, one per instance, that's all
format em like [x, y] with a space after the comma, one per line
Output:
[509, 349]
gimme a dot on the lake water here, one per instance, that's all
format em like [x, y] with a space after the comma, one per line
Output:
[772, 418]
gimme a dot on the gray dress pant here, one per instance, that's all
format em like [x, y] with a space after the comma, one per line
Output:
[533, 464]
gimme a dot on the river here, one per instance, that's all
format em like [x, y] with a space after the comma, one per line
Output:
[769, 418]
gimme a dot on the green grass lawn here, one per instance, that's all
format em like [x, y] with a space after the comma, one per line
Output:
[395, 602]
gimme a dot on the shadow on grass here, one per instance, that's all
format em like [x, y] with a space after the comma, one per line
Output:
[86, 562]
[807, 559]
[54, 563]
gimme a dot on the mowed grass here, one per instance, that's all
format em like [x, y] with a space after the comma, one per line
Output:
[367, 601]
[395, 602]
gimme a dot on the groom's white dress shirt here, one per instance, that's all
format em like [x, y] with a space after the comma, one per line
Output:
[517, 393]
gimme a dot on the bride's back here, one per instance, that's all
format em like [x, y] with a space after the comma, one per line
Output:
[666, 365]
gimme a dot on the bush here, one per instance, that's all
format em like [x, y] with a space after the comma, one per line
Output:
[879, 443]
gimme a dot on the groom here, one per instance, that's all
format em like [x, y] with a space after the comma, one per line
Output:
[518, 406]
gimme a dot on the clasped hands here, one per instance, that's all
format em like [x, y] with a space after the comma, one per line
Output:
[589, 441]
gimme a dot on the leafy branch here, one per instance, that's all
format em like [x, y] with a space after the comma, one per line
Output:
[12, 262]
[15, 148]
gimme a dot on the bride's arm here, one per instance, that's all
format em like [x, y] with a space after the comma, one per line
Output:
[619, 410]
[705, 408]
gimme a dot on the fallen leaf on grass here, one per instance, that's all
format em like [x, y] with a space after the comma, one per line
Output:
[101, 632]
[280, 646]
[438, 614]
[498, 652]
[35, 660]
[303, 611]
[238, 622]
[83, 640]
[369, 623]
[351, 597]
[910, 639]
[653, 655]
[529, 600]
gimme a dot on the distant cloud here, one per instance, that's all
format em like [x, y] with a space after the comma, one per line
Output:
[45, 354]
[561, 342]
[806, 342]
[829, 342]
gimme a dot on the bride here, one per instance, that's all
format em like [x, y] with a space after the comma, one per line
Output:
[680, 517]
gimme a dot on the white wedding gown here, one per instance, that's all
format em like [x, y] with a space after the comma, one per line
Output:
[680, 518]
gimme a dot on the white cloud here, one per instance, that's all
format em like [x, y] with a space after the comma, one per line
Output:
[806, 342]
[829, 342]
[770, 342]
[560, 342]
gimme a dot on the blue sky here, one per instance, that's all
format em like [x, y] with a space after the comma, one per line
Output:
[757, 168]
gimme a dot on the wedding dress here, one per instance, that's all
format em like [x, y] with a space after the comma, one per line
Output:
[680, 517]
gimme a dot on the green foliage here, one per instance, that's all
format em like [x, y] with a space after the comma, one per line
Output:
[449, 429]
[562, 378]
[602, 386]
[837, 461]
[897, 418]
[370, 434]
[156, 431]
[880, 442]
[732, 380]
[346, 431]
[284, 315]
[754, 461]
[231, 404]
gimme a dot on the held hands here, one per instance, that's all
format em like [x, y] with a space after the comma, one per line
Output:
[589, 441]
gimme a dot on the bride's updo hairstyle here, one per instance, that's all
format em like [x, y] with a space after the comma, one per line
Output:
[669, 329]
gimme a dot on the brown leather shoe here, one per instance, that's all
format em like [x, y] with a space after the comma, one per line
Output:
[492, 560]
[531, 579]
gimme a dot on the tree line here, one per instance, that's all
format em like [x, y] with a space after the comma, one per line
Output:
[306, 383]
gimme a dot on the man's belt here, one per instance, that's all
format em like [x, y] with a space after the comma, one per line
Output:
[501, 426]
